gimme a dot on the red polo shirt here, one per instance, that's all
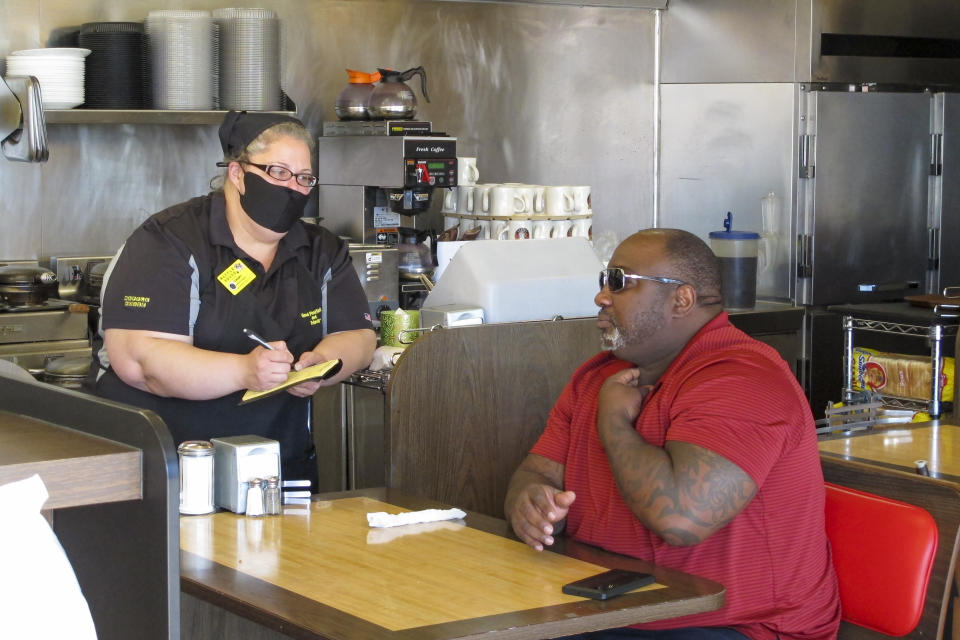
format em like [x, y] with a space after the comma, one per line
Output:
[735, 396]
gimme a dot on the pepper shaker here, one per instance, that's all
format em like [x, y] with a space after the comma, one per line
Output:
[271, 496]
[255, 497]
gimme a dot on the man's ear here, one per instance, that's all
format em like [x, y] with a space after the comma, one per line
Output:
[684, 300]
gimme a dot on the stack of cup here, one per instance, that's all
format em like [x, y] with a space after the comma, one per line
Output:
[510, 205]
[568, 213]
[514, 210]
[459, 200]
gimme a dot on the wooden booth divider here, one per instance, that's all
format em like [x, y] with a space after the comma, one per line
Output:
[467, 404]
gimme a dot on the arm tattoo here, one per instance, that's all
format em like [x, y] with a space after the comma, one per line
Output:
[683, 492]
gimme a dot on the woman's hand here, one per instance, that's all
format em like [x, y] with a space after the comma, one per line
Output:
[267, 368]
[354, 348]
[308, 388]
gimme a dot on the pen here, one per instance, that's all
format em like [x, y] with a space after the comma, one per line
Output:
[263, 343]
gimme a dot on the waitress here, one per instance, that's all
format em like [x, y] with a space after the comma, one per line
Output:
[191, 278]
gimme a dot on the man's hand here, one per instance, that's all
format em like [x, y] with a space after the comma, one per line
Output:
[536, 505]
[621, 398]
[536, 511]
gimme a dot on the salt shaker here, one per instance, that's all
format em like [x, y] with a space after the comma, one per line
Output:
[271, 496]
[196, 477]
[255, 498]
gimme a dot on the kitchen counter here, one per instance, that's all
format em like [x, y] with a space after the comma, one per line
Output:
[768, 317]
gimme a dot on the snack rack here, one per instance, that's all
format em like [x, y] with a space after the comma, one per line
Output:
[899, 318]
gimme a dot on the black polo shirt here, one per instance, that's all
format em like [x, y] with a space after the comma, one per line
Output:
[181, 272]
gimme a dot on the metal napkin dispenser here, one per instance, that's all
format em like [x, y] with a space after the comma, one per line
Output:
[236, 461]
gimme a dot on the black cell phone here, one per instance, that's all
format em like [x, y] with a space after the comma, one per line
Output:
[608, 584]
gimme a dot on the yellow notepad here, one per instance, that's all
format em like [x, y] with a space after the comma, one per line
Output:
[321, 370]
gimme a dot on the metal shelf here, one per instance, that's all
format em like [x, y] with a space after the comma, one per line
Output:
[934, 331]
[880, 326]
[138, 116]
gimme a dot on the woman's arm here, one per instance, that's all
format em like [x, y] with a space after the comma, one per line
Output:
[355, 348]
[168, 365]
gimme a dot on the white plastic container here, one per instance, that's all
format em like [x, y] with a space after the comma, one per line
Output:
[521, 281]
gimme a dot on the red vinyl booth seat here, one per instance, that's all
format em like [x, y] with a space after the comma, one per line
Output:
[883, 553]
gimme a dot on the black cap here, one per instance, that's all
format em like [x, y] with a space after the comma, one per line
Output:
[240, 128]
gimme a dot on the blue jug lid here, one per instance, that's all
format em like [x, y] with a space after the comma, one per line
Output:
[729, 234]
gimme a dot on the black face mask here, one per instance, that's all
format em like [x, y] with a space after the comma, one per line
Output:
[271, 205]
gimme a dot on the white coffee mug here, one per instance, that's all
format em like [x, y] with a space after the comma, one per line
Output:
[450, 221]
[505, 201]
[538, 200]
[484, 229]
[520, 230]
[465, 199]
[470, 230]
[527, 195]
[500, 229]
[582, 228]
[558, 201]
[542, 229]
[450, 200]
[581, 198]
[467, 172]
[481, 199]
[561, 229]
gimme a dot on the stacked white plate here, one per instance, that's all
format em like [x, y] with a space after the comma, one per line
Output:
[249, 59]
[60, 71]
[183, 59]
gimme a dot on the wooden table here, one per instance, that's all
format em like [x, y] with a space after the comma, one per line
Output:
[900, 446]
[319, 571]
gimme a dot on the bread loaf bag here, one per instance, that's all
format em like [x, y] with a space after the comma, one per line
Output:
[903, 376]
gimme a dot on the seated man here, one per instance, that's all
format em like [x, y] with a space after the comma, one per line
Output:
[690, 445]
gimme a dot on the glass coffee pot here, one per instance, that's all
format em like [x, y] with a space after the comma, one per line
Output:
[414, 257]
[392, 99]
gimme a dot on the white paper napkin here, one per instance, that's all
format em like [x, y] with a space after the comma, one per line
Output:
[383, 536]
[384, 519]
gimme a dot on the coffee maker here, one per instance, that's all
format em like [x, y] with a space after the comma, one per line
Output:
[377, 178]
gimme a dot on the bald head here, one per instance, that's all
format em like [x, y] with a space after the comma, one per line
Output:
[689, 259]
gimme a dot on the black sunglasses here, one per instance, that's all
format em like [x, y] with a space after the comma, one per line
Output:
[616, 279]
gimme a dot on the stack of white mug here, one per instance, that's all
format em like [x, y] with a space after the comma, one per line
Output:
[512, 210]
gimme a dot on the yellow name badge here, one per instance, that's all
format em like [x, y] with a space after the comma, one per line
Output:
[236, 277]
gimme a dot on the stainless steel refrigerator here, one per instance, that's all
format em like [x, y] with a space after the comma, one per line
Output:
[847, 119]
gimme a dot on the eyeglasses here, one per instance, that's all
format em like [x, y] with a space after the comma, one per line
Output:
[616, 279]
[281, 173]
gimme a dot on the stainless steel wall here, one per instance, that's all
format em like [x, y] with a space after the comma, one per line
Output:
[539, 93]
